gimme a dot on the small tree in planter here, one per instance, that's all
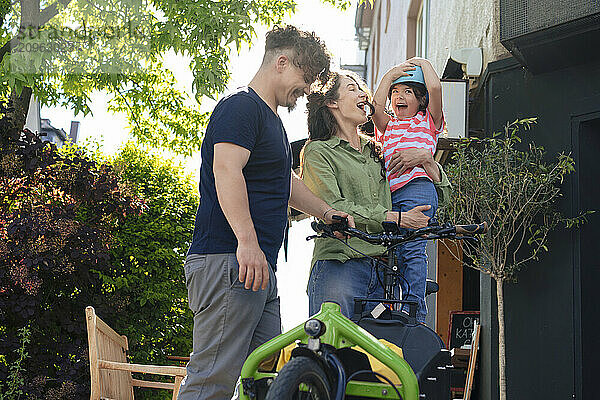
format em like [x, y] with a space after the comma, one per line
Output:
[515, 192]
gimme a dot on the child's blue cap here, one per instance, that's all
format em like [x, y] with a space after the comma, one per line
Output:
[415, 76]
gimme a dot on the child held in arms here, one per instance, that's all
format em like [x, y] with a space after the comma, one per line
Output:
[415, 94]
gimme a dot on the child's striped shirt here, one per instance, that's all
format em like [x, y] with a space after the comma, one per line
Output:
[417, 132]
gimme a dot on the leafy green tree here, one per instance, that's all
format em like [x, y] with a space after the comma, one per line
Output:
[63, 50]
[515, 191]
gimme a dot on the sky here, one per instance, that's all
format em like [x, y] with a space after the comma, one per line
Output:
[336, 28]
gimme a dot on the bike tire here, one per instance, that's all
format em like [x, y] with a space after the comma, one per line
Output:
[300, 370]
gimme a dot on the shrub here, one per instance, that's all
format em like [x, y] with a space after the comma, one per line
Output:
[56, 216]
[148, 253]
[76, 230]
[12, 388]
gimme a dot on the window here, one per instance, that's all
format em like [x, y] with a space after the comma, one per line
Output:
[417, 27]
[421, 34]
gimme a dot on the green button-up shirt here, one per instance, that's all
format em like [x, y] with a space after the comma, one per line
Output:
[351, 181]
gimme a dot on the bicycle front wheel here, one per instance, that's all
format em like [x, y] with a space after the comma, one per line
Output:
[302, 378]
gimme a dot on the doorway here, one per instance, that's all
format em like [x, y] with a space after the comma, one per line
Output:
[587, 263]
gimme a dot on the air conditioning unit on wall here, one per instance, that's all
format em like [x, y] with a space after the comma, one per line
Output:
[546, 35]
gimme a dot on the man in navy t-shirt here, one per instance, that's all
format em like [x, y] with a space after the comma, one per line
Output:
[246, 183]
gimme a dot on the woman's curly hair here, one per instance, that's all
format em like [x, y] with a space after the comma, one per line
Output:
[321, 122]
[310, 53]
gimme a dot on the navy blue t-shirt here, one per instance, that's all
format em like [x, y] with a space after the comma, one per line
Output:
[244, 119]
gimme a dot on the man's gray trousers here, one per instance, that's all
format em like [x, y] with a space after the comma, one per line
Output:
[229, 323]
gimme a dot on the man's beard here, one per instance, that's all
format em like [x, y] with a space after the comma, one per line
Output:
[298, 93]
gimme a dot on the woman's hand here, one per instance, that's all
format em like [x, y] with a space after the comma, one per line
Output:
[408, 158]
[402, 160]
[414, 218]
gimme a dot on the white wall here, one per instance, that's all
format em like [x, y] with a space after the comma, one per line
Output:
[392, 41]
[32, 122]
[455, 24]
[452, 24]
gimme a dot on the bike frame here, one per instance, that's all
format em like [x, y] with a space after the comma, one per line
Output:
[340, 333]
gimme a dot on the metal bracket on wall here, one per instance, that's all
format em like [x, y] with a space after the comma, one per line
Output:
[471, 60]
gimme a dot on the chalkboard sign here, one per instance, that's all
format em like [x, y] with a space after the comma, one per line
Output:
[460, 331]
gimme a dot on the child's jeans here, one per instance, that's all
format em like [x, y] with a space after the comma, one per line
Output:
[412, 258]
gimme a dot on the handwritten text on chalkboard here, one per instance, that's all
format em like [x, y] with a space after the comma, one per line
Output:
[461, 328]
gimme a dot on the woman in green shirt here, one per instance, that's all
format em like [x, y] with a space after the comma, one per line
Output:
[345, 169]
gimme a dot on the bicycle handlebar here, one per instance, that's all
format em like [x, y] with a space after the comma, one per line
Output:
[473, 229]
[388, 238]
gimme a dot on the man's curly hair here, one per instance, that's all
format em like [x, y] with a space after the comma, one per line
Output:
[310, 53]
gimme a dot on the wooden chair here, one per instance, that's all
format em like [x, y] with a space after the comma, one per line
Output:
[111, 373]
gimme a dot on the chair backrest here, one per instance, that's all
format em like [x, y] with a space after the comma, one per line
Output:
[106, 344]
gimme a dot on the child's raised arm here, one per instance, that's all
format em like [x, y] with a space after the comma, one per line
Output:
[434, 88]
[380, 117]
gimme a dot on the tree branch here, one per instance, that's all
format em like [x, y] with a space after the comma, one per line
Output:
[51, 11]
[42, 18]
[8, 45]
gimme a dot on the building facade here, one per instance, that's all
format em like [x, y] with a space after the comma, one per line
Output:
[48, 133]
[539, 59]
[396, 30]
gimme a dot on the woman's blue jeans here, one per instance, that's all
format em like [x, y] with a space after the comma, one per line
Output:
[341, 282]
[412, 257]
